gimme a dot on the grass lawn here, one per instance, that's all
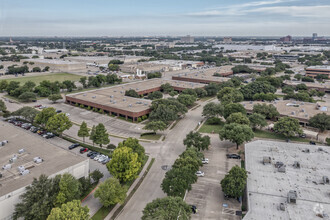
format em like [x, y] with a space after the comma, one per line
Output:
[272, 135]
[51, 77]
[153, 137]
[102, 213]
[207, 128]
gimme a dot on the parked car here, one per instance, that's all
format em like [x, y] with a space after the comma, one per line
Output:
[58, 111]
[200, 173]
[41, 132]
[90, 153]
[105, 161]
[48, 135]
[233, 156]
[37, 106]
[194, 209]
[67, 114]
[73, 146]
[205, 161]
[42, 107]
[34, 129]
[312, 143]
[83, 150]
[94, 155]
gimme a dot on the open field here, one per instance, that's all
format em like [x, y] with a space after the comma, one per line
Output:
[51, 77]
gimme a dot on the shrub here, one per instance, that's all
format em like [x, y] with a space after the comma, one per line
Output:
[88, 108]
[139, 119]
[214, 121]
[82, 106]
[76, 104]
[144, 117]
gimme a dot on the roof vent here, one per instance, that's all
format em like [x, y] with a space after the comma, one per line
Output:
[6, 167]
[325, 180]
[21, 151]
[94, 97]
[296, 164]
[130, 105]
[38, 160]
[292, 196]
[266, 160]
[13, 159]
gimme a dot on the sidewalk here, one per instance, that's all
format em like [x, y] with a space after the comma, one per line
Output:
[130, 189]
[92, 203]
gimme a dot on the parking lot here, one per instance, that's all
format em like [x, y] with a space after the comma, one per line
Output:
[206, 193]
[59, 142]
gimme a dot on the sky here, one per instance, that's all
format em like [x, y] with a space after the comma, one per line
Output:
[164, 18]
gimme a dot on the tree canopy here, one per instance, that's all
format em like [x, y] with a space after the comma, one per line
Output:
[101, 135]
[229, 95]
[288, 127]
[212, 110]
[83, 131]
[257, 120]
[110, 192]
[238, 118]
[236, 133]
[69, 189]
[320, 121]
[195, 139]
[27, 112]
[155, 126]
[269, 111]
[58, 123]
[233, 108]
[55, 97]
[71, 210]
[134, 144]
[257, 87]
[234, 182]
[43, 116]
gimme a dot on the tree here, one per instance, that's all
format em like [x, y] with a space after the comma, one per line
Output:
[234, 182]
[43, 116]
[101, 135]
[36, 69]
[134, 144]
[212, 110]
[236, 133]
[27, 112]
[167, 88]
[189, 92]
[155, 126]
[195, 139]
[211, 89]
[38, 199]
[238, 118]
[269, 111]
[96, 175]
[69, 190]
[257, 87]
[70, 210]
[167, 208]
[229, 95]
[110, 192]
[46, 69]
[288, 127]
[59, 123]
[83, 81]
[3, 107]
[187, 100]
[12, 86]
[113, 67]
[257, 120]
[124, 164]
[132, 93]
[320, 121]
[69, 85]
[155, 95]
[177, 181]
[92, 134]
[233, 108]
[55, 97]
[3, 85]
[83, 131]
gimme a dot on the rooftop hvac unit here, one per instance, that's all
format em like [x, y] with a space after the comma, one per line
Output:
[13, 159]
[306, 115]
[5, 141]
[37, 160]
[6, 167]
[94, 97]
[24, 172]
[130, 105]
[292, 113]
[21, 151]
[111, 96]
[296, 164]
[21, 168]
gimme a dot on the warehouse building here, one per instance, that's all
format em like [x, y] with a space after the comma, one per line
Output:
[324, 87]
[287, 181]
[313, 71]
[56, 64]
[25, 156]
[113, 101]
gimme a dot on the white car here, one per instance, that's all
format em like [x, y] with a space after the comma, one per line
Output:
[205, 161]
[199, 173]
[67, 114]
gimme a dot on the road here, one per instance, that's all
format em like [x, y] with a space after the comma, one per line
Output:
[166, 153]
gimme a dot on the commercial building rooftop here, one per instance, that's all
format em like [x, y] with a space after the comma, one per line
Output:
[52, 61]
[302, 111]
[54, 158]
[287, 181]
[311, 85]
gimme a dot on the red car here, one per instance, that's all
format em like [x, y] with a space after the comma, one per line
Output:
[83, 150]
[37, 106]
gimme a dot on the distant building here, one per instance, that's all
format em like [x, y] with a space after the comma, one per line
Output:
[314, 36]
[286, 57]
[227, 40]
[313, 71]
[187, 39]
[286, 39]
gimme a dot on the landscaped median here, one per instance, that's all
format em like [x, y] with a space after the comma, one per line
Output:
[104, 211]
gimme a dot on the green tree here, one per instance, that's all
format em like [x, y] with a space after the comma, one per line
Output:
[132, 93]
[55, 97]
[38, 199]
[195, 139]
[69, 190]
[83, 131]
[101, 135]
[69, 85]
[155, 95]
[43, 116]
[200, 92]
[269, 111]
[167, 208]
[3, 106]
[187, 100]
[113, 67]
[96, 175]
[234, 182]
[124, 164]
[134, 144]
[92, 135]
[110, 192]
[155, 126]
[27, 97]
[83, 81]
[3, 85]
[36, 69]
[59, 123]
[257, 120]
[320, 121]
[288, 127]
[238, 118]
[27, 112]
[167, 88]
[177, 181]
[229, 95]
[236, 133]
[71, 210]
[12, 86]
[257, 87]
[233, 108]
[212, 110]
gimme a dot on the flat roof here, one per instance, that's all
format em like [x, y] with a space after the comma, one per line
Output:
[115, 96]
[267, 188]
[318, 68]
[295, 109]
[55, 158]
[52, 61]
[325, 85]
[207, 74]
